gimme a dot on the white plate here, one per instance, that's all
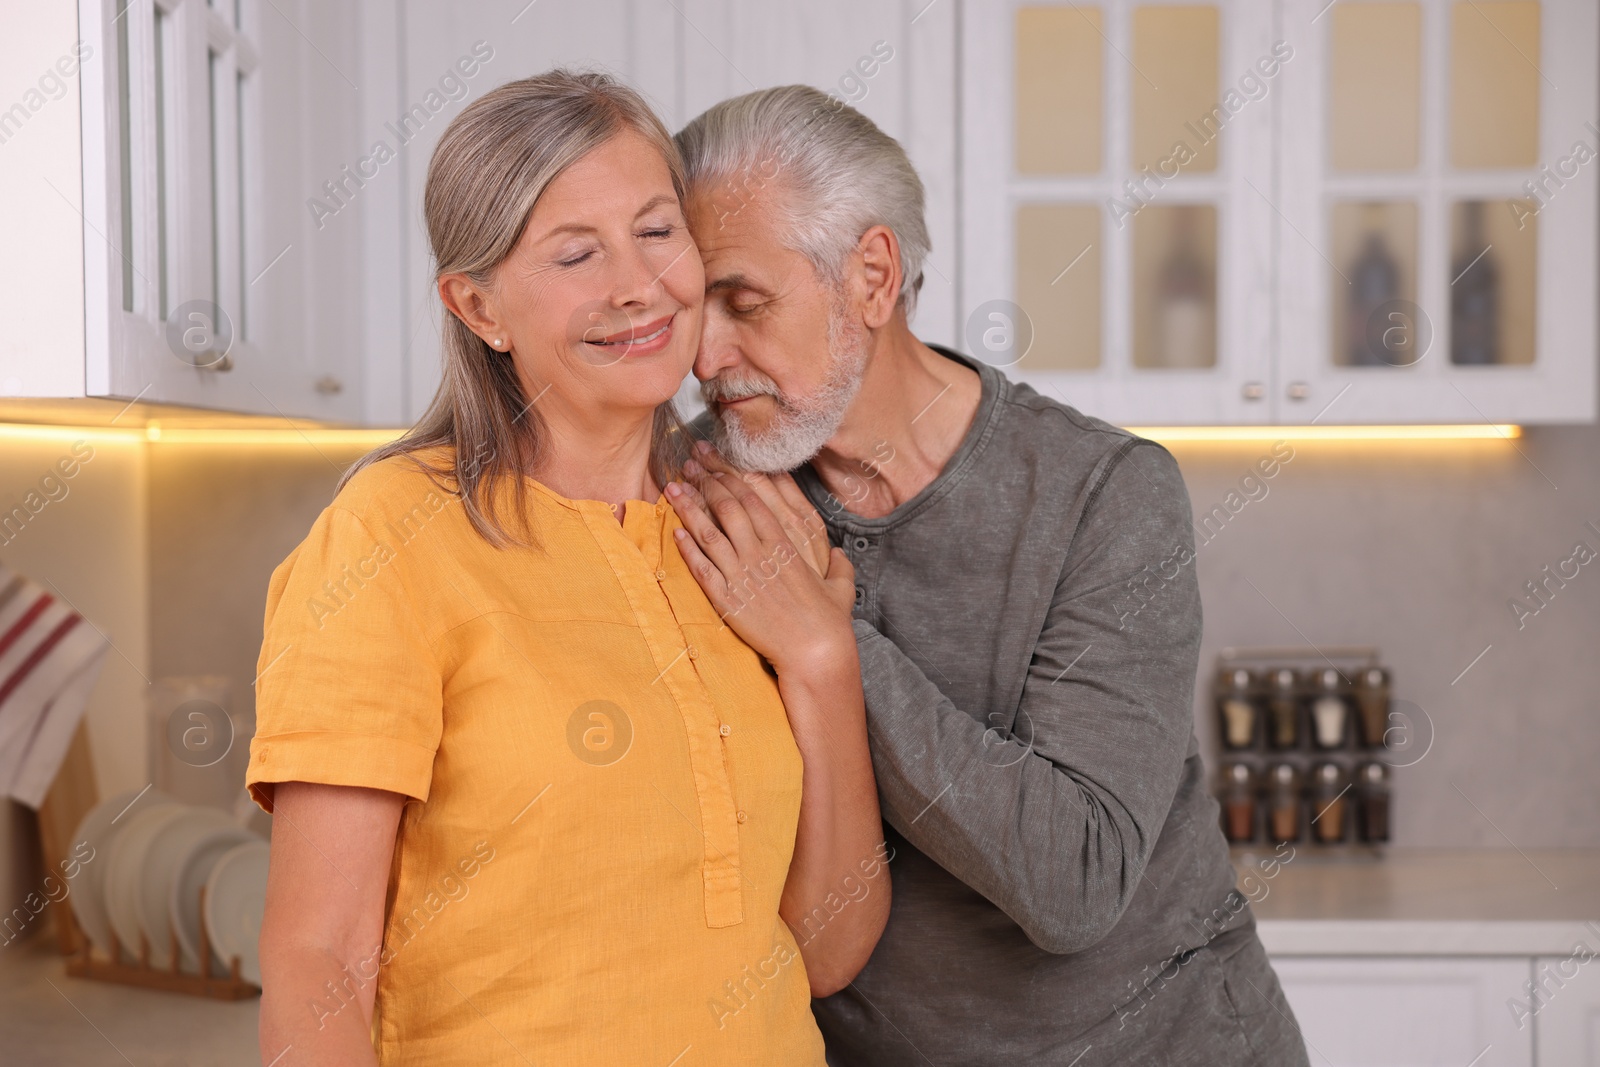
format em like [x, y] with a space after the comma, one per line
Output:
[183, 903]
[122, 872]
[236, 897]
[153, 888]
[98, 830]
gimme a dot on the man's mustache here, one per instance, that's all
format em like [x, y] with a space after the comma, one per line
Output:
[722, 390]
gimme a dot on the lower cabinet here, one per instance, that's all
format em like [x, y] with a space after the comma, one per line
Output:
[1567, 1023]
[1415, 1012]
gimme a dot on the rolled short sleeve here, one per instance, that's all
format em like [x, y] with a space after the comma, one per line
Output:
[349, 689]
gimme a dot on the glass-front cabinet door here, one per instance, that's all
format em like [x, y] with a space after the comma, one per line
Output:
[1284, 211]
[1437, 246]
[1116, 220]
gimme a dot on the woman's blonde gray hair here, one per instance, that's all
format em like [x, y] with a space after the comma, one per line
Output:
[488, 171]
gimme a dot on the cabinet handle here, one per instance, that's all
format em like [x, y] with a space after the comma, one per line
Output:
[328, 385]
[1299, 390]
[1254, 390]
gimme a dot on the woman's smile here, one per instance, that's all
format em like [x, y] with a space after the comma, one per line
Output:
[640, 340]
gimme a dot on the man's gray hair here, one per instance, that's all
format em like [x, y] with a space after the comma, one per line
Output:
[840, 174]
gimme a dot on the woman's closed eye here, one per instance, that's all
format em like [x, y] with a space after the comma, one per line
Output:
[658, 234]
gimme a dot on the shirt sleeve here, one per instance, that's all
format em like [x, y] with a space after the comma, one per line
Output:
[349, 690]
[1055, 820]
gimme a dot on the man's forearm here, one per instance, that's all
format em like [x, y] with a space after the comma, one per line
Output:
[1060, 852]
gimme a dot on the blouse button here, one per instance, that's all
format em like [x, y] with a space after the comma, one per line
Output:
[726, 730]
[741, 816]
[661, 575]
[661, 509]
[862, 544]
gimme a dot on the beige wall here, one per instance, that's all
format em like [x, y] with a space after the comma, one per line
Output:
[1413, 547]
[221, 518]
[91, 545]
[1417, 549]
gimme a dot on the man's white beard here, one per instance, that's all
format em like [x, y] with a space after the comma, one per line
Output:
[799, 427]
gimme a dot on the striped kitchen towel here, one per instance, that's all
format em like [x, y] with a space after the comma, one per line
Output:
[50, 657]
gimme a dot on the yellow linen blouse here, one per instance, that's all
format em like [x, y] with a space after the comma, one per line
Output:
[606, 787]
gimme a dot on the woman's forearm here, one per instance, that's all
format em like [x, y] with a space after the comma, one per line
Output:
[314, 1007]
[322, 929]
[836, 899]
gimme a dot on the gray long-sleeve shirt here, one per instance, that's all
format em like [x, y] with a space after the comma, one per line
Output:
[1029, 626]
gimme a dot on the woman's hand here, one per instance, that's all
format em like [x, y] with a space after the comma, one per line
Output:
[750, 570]
[800, 521]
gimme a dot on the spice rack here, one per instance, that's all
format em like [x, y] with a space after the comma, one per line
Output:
[1301, 735]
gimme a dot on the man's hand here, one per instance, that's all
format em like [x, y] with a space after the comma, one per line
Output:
[744, 561]
[800, 521]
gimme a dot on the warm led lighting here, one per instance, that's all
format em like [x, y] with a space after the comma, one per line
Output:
[156, 433]
[288, 435]
[1463, 432]
[24, 431]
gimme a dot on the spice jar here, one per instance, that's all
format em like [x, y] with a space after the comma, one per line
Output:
[1238, 802]
[1283, 803]
[1283, 708]
[1372, 700]
[1373, 801]
[1236, 708]
[1328, 802]
[1330, 712]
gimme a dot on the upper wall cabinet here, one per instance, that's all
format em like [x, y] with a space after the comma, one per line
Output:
[1437, 188]
[163, 243]
[1117, 243]
[1215, 211]
[893, 59]
[1284, 211]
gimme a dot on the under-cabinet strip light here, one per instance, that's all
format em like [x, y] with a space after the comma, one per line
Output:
[1441, 432]
[371, 438]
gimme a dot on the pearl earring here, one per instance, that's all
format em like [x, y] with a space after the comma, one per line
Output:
[497, 342]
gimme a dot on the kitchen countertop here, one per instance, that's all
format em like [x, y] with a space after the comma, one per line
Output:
[50, 1020]
[1430, 902]
[1424, 901]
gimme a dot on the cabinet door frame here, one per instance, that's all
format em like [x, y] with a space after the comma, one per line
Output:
[1559, 386]
[126, 351]
[1341, 1039]
[127, 355]
[1235, 391]
[1567, 1024]
[734, 48]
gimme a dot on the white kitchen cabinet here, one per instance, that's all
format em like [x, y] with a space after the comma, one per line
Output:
[1567, 1025]
[1080, 210]
[1409, 1012]
[162, 243]
[1153, 210]
[502, 40]
[1284, 211]
[684, 57]
[893, 60]
[1456, 141]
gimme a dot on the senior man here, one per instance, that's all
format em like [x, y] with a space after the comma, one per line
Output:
[1028, 622]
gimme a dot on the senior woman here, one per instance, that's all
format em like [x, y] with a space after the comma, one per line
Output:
[542, 791]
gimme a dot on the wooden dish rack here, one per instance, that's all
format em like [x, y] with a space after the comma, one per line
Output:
[71, 796]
